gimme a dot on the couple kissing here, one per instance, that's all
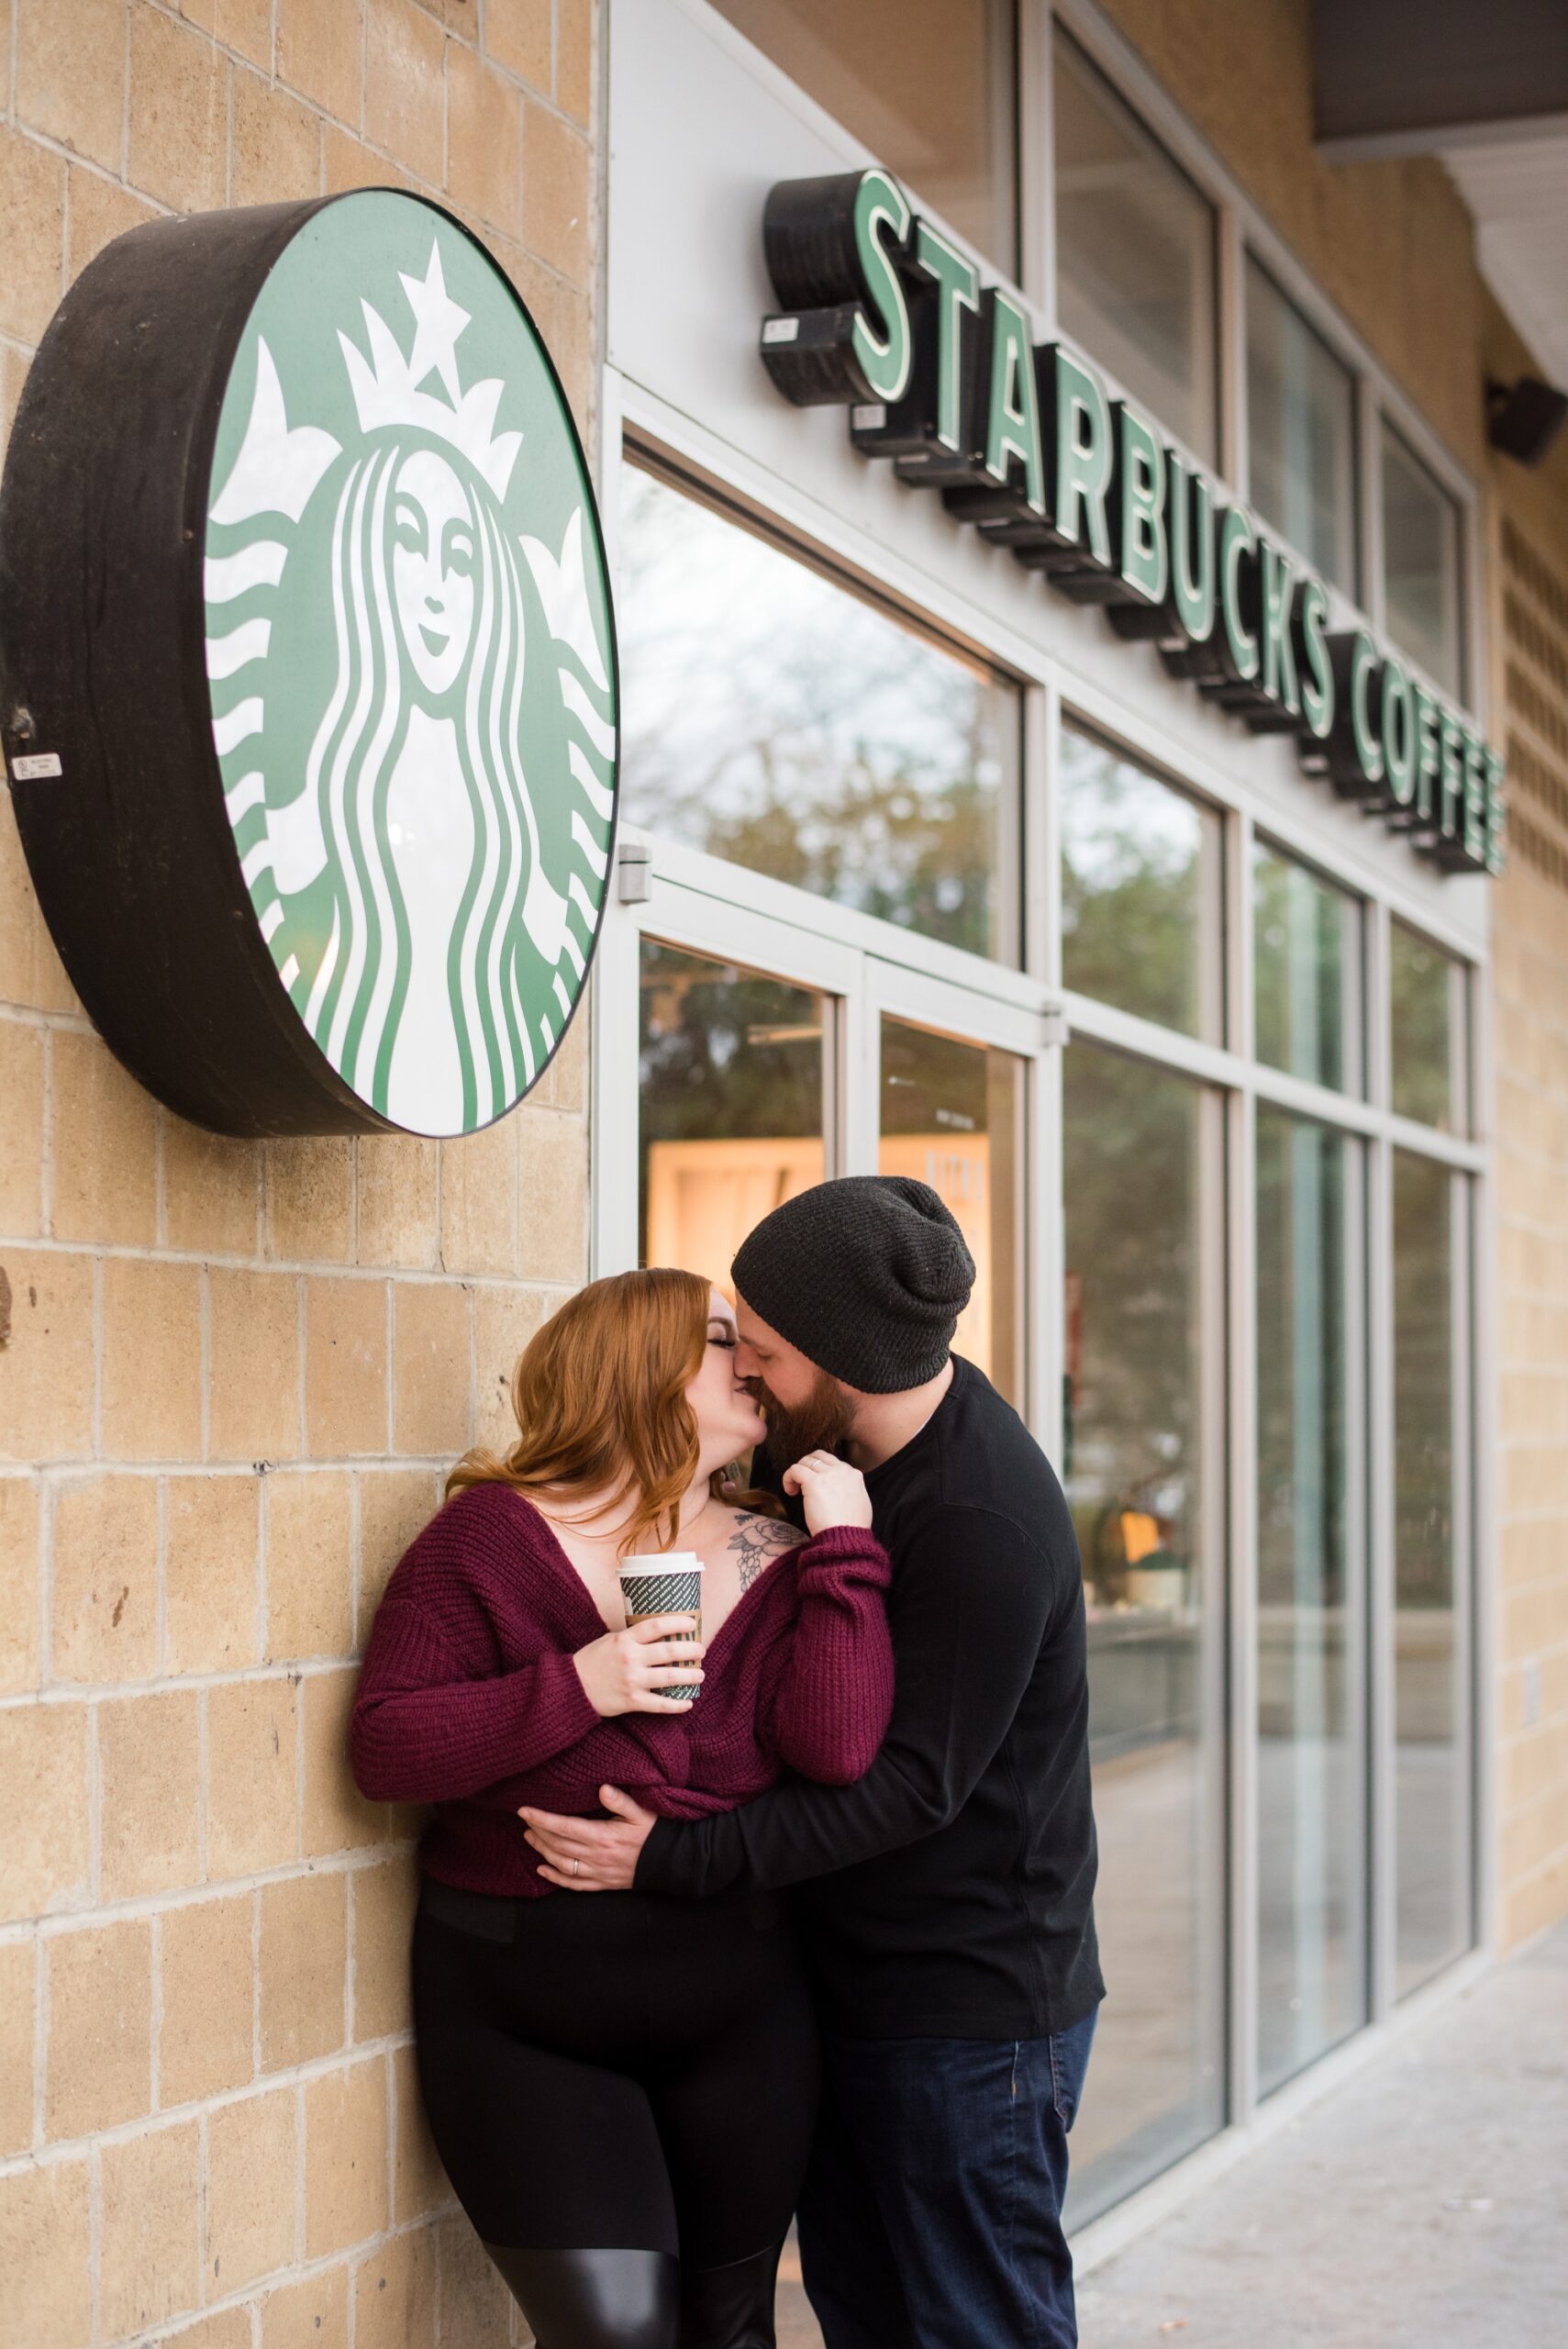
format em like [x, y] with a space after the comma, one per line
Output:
[837, 1956]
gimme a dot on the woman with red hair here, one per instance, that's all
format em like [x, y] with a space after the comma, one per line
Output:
[622, 2089]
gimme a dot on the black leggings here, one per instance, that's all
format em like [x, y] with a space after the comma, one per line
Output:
[626, 2077]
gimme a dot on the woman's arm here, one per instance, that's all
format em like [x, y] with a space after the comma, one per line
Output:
[421, 1731]
[835, 1697]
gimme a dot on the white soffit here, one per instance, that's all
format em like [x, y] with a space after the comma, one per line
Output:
[1516, 189]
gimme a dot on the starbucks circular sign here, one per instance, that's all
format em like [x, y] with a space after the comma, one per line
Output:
[309, 678]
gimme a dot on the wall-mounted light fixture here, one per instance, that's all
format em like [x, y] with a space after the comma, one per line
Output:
[1523, 419]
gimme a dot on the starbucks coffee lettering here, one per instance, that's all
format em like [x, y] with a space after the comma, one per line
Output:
[883, 315]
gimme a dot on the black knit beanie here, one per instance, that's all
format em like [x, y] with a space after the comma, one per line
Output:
[866, 1276]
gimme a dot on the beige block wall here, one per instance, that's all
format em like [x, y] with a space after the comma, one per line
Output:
[232, 1375]
[1394, 245]
[1528, 569]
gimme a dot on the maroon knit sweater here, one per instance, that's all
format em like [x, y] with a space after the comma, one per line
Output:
[469, 1698]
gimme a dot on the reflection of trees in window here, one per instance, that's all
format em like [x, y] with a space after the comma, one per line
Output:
[1132, 885]
[775, 720]
[1423, 1383]
[1130, 1145]
[726, 1057]
[725, 1054]
[1302, 1367]
[1420, 1002]
[931, 1083]
[877, 843]
[1302, 936]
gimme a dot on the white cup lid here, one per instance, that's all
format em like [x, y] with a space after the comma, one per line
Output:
[664, 1561]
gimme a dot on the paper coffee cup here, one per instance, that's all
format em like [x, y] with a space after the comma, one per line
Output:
[667, 1583]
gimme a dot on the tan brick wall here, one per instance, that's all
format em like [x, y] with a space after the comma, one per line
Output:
[1528, 570]
[1394, 245]
[232, 1375]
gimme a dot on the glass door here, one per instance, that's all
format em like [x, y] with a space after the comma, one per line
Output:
[719, 1035]
[950, 1084]
[951, 1115]
[735, 1070]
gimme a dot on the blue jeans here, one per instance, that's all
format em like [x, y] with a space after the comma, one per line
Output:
[931, 2213]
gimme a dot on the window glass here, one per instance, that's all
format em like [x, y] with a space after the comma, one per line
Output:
[1301, 432]
[1311, 1753]
[773, 719]
[929, 87]
[1432, 1819]
[1427, 1006]
[1135, 249]
[952, 1116]
[1143, 1193]
[1420, 565]
[731, 1079]
[1140, 890]
[1307, 967]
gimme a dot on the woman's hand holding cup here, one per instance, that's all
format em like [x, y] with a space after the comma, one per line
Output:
[625, 1672]
[831, 1492]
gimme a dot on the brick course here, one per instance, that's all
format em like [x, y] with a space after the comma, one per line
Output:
[234, 1373]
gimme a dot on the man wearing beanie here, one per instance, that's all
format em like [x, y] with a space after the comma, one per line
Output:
[946, 1897]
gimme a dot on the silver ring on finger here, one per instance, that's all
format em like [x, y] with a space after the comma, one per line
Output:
[576, 1867]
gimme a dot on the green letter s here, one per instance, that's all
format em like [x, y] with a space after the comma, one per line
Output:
[882, 216]
[1318, 681]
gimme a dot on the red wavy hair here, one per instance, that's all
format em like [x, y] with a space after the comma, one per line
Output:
[599, 1395]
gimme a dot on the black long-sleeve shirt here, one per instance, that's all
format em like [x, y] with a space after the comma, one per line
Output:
[949, 1892]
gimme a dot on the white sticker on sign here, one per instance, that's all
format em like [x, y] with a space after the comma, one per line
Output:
[41, 766]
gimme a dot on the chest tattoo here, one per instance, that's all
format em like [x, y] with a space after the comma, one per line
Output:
[752, 1552]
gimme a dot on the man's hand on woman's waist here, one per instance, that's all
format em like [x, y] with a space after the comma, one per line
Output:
[591, 1855]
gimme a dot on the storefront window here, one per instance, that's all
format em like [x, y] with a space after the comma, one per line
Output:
[1420, 563]
[1307, 971]
[1432, 1814]
[1427, 1009]
[775, 719]
[1141, 907]
[1311, 1802]
[1135, 255]
[732, 1070]
[1301, 431]
[930, 88]
[952, 1116]
[1144, 1383]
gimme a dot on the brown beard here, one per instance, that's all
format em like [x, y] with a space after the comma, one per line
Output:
[819, 1424]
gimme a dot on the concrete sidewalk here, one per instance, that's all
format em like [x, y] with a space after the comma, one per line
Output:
[1423, 2204]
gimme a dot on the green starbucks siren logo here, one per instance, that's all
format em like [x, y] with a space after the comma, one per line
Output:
[410, 662]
